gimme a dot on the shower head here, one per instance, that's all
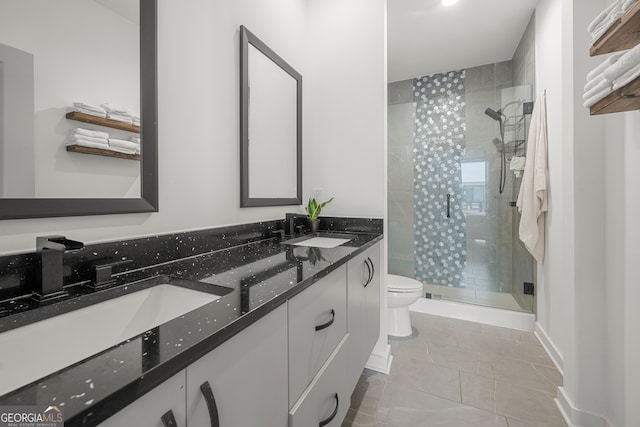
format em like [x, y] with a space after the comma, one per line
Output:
[495, 115]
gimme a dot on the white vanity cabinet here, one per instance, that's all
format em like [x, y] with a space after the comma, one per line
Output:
[317, 324]
[328, 398]
[363, 306]
[295, 367]
[243, 382]
[164, 406]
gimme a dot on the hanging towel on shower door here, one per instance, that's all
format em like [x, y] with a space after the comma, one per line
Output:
[532, 198]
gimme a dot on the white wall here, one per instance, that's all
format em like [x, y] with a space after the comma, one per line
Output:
[586, 310]
[628, 328]
[342, 65]
[623, 232]
[345, 105]
[554, 301]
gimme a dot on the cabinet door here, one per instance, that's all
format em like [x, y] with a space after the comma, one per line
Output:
[247, 378]
[149, 409]
[327, 399]
[363, 296]
[372, 329]
[317, 323]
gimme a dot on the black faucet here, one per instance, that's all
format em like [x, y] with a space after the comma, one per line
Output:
[51, 272]
[292, 223]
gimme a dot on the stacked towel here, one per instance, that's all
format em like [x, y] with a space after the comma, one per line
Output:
[607, 18]
[89, 138]
[136, 120]
[136, 140]
[92, 133]
[123, 146]
[118, 113]
[615, 72]
[92, 110]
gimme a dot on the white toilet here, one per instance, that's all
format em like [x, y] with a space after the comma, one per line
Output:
[401, 292]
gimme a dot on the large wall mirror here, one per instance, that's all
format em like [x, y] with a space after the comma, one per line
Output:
[57, 53]
[271, 126]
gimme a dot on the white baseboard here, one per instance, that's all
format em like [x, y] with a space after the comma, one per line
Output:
[381, 362]
[550, 347]
[475, 313]
[575, 417]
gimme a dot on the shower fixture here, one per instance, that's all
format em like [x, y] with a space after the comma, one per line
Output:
[497, 116]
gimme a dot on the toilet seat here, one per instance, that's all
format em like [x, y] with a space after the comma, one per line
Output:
[401, 284]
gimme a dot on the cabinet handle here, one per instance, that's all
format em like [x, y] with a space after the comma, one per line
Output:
[373, 270]
[366, 262]
[168, 420]
[448, 205]
[205, 388]
[333, 414]
[329, 323]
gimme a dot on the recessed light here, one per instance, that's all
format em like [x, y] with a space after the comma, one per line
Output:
[449, 2]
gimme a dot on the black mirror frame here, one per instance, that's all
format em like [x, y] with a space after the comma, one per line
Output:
[246, 38]
[148, 202]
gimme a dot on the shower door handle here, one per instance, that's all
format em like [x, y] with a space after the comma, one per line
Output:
[448, 205]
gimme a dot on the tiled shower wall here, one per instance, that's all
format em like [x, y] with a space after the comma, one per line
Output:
[488, 240]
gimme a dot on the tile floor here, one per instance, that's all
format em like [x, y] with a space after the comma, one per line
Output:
[455, 373]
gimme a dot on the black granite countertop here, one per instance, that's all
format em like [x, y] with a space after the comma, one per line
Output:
[253, 278]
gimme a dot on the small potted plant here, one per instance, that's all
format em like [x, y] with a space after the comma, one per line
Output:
[313, 209]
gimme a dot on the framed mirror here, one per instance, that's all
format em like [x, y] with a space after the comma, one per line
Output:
[270, 126]
[65, 51]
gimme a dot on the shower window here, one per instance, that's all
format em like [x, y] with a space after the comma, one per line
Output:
[474, 186]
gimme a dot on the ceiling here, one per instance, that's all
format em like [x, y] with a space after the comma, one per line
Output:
[425, 37]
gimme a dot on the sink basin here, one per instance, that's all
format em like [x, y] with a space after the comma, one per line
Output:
[36, 350]
[322, 242]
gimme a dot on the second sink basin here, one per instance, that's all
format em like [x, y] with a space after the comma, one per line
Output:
[36, 350]
[322, 242]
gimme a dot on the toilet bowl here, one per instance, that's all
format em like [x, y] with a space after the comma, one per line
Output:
[401, 292]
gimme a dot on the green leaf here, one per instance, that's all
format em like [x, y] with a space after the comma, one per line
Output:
[314, 208]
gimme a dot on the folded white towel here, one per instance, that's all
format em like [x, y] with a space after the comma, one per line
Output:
[86, 143]
[599, 32]
[90, 112]
[599, 87]
[627, 77]
[89, 138]
[135, 139]
[90, 107]
[111, 108]
[597, 97]
[626, 62]
[601, 17]
[122, 150]
[92, 133]
[604, 65]
[120, 118]
[627, 4]
[129, 145]
[592, 83]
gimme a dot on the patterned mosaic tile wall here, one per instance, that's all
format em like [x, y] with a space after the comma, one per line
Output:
[439, 146]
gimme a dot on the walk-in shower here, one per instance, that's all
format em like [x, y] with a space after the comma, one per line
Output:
[457, 143]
